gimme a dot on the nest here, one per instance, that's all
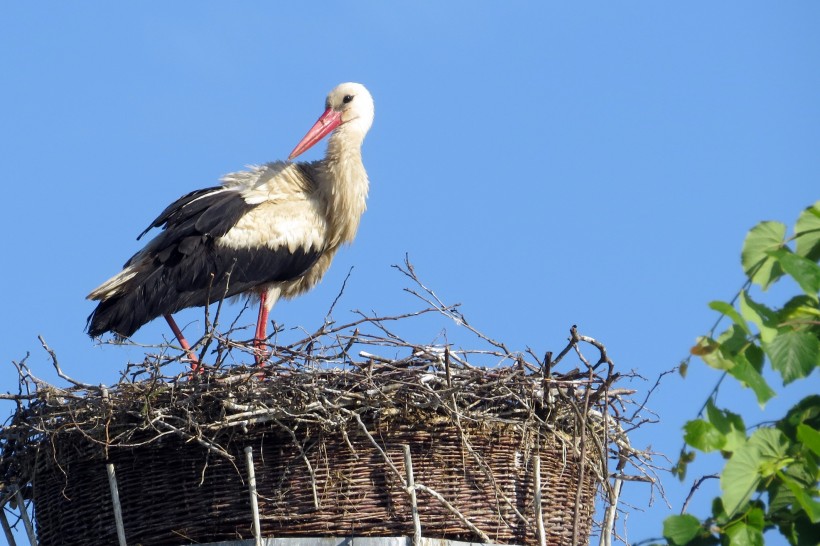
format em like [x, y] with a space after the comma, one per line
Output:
[400, 439]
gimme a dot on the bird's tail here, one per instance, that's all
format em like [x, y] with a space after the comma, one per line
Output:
[129, 300]
[144, 291]
[112, 286]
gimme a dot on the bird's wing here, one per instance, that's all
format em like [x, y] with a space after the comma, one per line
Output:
[209, 212]
[192, 204]
[213, 244]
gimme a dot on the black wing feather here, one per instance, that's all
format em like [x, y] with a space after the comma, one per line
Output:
[184, 267]
[187, 206]
[209, 212]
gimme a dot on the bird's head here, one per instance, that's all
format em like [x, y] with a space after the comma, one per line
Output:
[349, 107]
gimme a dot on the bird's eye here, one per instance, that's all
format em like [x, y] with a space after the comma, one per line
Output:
[347, 98]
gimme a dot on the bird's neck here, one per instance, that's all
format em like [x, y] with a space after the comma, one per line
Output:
[345, 186]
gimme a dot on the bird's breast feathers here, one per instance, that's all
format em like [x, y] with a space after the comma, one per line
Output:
[286, 213]
[293, 224]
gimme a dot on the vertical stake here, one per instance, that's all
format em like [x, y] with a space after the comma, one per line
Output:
[26, 520]
[447, 367]
[411, 488]
[6, 529]
[257, 533]
[539, 512]
[115, 501]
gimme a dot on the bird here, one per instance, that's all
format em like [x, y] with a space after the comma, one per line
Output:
[270, 231]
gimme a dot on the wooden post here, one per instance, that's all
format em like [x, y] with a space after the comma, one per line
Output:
[257, 533]
[411, 488]
[115, 501]
[539, 512]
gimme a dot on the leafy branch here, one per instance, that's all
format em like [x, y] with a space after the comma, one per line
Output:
[770, 477]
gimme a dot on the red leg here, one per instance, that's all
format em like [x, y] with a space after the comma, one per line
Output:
[261, 330]
[182, 341]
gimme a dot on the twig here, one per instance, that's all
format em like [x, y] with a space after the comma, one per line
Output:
[329, 313]
[304, 458]
[695, 487]
[59, 370]
[446, 310]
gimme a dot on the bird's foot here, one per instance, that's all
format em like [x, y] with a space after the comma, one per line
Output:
[196, 366]
[260, 352]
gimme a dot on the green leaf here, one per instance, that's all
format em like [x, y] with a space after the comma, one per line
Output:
[747, 530]
[741, 533]
[794, 354]
[780, 498]
[703, 435]
[763, 454]
[719, 355]
[709, 351]
[773, 446]
[799, 531]
[727, 309]
[805, 412]
[761, 316]
[806, 272]
[733, 341]
[800, 309]
[682, 529]
[740, 478]
[755, 356]
[810, 437]
[802, 472]
[744, 372]
[729, 424]
[807, 233]
[808, 504]
[805, 533]
[757, 264]
[719, 515]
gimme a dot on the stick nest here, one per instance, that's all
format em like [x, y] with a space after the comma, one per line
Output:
[327, 421]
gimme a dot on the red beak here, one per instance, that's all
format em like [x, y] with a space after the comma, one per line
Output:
[325, 124]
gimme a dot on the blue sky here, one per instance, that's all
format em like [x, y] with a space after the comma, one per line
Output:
[543, 164]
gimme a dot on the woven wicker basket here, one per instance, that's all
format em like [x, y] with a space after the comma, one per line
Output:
[173, 492]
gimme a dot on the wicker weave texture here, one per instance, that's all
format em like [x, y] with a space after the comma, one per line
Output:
[177, 493]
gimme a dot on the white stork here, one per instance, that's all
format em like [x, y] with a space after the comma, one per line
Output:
[271, 230]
